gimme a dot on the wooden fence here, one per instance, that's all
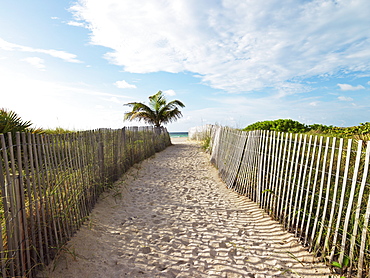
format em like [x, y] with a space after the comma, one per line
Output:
[50, 183]
[317, 187]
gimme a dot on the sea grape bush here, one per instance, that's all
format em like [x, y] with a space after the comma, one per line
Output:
[281, 125]
[288, 125]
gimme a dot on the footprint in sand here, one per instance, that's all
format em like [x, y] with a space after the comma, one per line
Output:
[189, 225]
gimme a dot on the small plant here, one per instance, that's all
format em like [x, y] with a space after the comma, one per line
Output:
[206, 144]
[269, 191]
[117, 195]
[294, 258]
[63, 250]
[58, 130]
[341, 266]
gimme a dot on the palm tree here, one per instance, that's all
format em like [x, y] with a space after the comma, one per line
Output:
[158, 111]
[11, 122]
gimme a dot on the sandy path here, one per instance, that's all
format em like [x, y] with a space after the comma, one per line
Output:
[171, 216]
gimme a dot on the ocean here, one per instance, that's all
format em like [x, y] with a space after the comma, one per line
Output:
[178, 134]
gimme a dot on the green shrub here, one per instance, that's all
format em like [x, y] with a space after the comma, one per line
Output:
[361, 131]
[281, 125]
[58, 130]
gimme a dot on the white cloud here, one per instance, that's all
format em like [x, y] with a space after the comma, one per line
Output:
[169, 92]
[368, 83]
[343, 98]
[232, 45]
[248, 109]
[313, 103]
[287, 88]
[75, 23]
[45, 103]
[68, 57]
[124, 85]
[36, 62]
[348, 87]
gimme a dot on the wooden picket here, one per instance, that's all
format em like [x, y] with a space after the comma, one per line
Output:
[317, 187]
[50, 183]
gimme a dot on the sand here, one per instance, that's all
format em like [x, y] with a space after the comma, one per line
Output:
[171, 216]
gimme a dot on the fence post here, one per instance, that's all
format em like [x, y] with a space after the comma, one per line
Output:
[261, 174]
[23, 236]
[124, 149]
[303, 176]
[357, 216]
[101, 157]
[6, 198]
[13, 232]
[340, 210]
[350, 202]
[215, 145]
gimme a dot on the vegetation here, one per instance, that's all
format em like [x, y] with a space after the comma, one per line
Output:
[11, 122]
[279, 125]
[158, 112]
[317, 187]
[206, 143]
[361, 131]
[58, 130]
[62, 177]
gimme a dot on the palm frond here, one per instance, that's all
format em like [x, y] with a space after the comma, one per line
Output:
[158, 111]
[11, 122]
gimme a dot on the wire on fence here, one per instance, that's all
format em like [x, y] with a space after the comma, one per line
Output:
[50, 183]
[317, 187]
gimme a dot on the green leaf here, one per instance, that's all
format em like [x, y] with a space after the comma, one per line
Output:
[336, 264]
[345, 261]
[268, 191]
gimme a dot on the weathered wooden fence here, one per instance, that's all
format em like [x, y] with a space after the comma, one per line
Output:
[317, 187]
[50, 183]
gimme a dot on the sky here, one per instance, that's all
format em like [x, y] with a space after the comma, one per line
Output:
[74, 64]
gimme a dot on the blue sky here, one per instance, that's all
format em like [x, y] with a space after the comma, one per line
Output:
[73, 64]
